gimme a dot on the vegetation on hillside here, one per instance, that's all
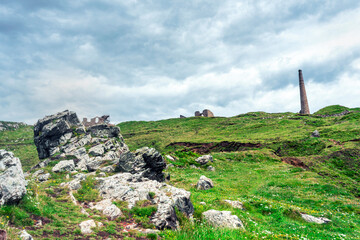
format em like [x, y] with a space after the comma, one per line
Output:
[267, 161]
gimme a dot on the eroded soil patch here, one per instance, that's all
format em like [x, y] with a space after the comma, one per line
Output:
[295, 162]
[224, 146]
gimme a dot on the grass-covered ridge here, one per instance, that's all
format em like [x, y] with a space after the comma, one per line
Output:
[20, 141]
[250, 152]
[267, 161]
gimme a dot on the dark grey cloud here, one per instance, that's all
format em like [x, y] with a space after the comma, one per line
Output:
[158, 59]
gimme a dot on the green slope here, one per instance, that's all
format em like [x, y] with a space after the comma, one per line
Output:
[21, 142]
[252, 153]
[274, 193]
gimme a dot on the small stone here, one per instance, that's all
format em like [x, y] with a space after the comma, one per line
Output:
[44, 177]
[86, 226]
[112, 211]
[204, 183]
[210, 168]
[315, 133]
[24, 235]
[204, 159]
[102, 174]
[107, 169]
[194, 167]
[318, 220]
[64, 166]
[235, 204]
[170, 158]
[97, 150]
[222, 219]
[202, 203]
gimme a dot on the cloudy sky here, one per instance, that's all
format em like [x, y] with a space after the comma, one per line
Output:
[150, 60]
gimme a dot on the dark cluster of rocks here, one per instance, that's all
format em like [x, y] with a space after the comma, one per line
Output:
[146, 161]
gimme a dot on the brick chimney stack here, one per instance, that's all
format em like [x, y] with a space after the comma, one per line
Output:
[304, 102]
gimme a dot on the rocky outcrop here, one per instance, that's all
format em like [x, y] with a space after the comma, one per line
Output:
[62, 137]
[146, 161]
[135, 187]
[204, 183]
[318, 220]
[222, 219]
[54, 130]
[12, 181]
[204, 159]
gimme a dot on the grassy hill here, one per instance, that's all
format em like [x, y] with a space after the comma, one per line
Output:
[252, 153]
[268, 161]
[20, 140]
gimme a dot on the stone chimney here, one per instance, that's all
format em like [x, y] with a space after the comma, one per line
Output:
[304, 102]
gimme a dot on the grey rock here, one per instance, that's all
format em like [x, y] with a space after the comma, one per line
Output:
[107, 208]
[134, 187]
[12, 180]
[37, 173]
[112, 212]
[97, 150]
[318, 220]
[170, 158]
[24, 235]
[146, 161]
[44, 177]
[102, 174]
[86, 226]
[235, 204]
[94, 164]
[315, 133]
[204, 183]
[165, 216]
[54, 130]
[222, 219]
[80, 176]
[104, 131]
[64, 166]
[107, 169]
[210, 168]
[204, 159]
[194, 167]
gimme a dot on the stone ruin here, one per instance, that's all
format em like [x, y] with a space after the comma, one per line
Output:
[96, 121]
[205, 113]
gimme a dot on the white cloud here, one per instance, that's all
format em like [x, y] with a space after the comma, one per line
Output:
[139, 60]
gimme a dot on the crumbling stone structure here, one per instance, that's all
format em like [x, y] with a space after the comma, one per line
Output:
[303, 98]
[205, 113]
[96, 120]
